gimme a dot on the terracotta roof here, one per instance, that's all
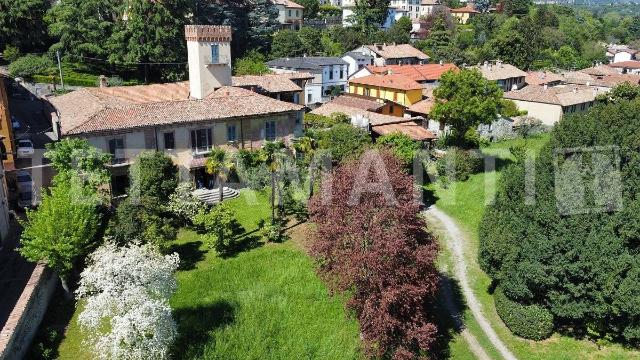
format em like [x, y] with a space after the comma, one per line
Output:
[364, 103]
[466, 9]
[581, 78]
[542, 78]
[94, 110]
[141, 94]
[425, 72]
[499, 71]
[374, 118]
[631, 64]
[299, 75]
[614, 49]
[600, 70]
[394, 81]
[430, 2]
[272, 83]
[422, 107]
[557, 95]
[409, 128]
[288, 4]
[391, 51]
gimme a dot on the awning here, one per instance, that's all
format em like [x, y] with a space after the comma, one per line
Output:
[410, 128]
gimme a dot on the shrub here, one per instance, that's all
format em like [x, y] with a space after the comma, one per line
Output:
[375, 247]
[11, 53]
[220, 226]
[272, 232]
[344, 141]
[183, 204]
[30, 65]
[402, 146]
[143, 222]
[153, 175]
[457, 165]
[323, 122]
[528, 321]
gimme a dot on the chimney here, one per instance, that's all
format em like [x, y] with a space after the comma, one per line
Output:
[575, 89]
[441, 63]
[104, 82]
[209, 55]
[486, 64]
[545, 86]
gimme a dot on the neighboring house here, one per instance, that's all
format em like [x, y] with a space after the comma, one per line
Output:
[543, 78]
[330, 75]
[357, 60]
[428, 6]
[619, 53]
[464, 14]
[285, 87]
[423, 74]
[6, 130]
[290, 14]
[599, 81]
[393, 14]
[549, 104]
[377, 124]
[412, 7]
[185, 120]
[627, 67]
[392, 54]
[398, 89]
[507, 76]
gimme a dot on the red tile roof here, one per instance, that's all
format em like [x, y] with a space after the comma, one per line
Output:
[288, 4]
[393, 81]
[364, 103]
[399, 51]
[425, 72]
[422, 107]
[631, 64]
[542, 78]
[466, 9]
[96, 110]
[409, 128]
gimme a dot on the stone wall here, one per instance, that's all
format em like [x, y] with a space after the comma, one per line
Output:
[27, 314]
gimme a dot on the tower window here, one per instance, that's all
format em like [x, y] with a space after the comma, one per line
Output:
[215, 54]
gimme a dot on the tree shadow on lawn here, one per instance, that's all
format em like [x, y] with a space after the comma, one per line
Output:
[195, 325]
[190, 254]
[448, 308]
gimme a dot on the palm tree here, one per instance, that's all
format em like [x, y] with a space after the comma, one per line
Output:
[219, 164]
[272, 156]
[307, 145]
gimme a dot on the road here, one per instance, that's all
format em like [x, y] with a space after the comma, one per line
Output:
[35, 126]
[456, 243]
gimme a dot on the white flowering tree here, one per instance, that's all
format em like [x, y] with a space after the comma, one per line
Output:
[129, 288]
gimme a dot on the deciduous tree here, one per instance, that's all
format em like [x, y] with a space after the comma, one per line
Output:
[128, 288]
[371, 242]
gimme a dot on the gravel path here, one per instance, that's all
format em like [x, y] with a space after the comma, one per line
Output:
[456, 244]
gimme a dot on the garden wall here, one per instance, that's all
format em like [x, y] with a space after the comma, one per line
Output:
[24, 320]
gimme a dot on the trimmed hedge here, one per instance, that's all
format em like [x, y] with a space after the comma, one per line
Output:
[528, 321]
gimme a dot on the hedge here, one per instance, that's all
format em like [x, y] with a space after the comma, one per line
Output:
[528, 321]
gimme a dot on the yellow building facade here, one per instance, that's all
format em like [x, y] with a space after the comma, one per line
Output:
[394, 88]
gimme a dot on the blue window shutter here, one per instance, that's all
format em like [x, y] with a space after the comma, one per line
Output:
[215, 54]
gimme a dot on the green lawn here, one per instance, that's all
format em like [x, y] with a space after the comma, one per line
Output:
[465, 202]
[263, 303]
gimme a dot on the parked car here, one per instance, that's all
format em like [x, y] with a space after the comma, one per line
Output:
[24, 181]
[25, 148]
[25, 199]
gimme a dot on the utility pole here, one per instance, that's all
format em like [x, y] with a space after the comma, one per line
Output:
[60, 68]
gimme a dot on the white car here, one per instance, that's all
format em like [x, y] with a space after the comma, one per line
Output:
[25, 148]
[24, 181]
